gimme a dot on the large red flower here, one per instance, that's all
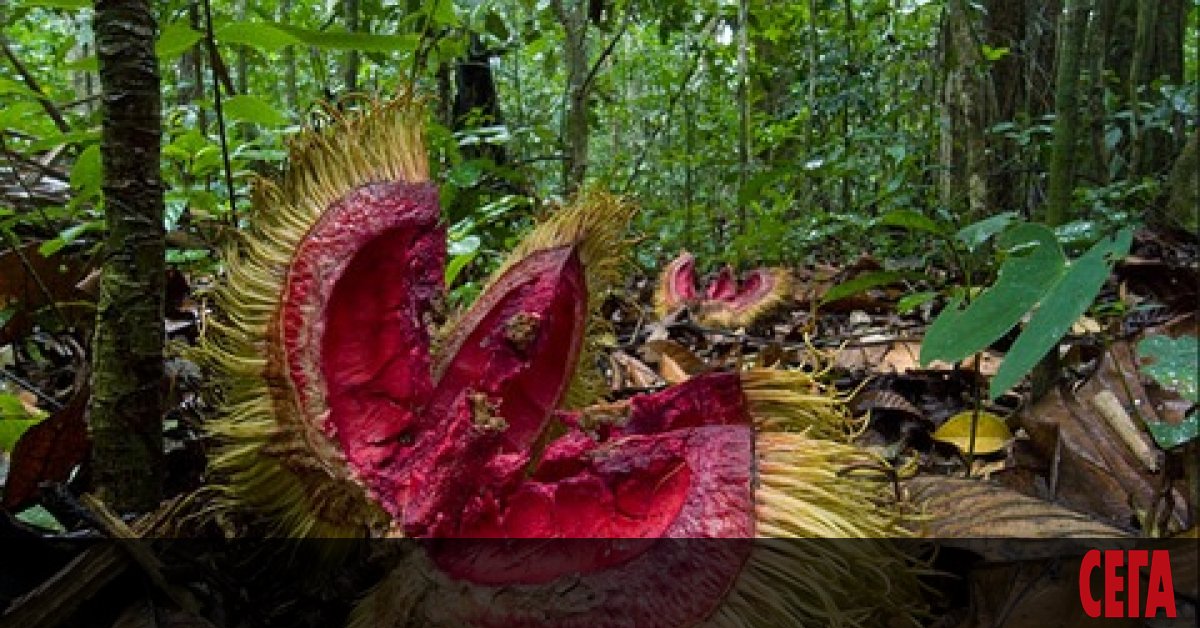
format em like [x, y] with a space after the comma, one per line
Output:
[350, 410]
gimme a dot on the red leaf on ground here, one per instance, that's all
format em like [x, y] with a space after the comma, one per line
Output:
[48, 451]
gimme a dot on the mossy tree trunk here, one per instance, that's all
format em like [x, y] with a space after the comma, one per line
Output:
[1183, 209]
[127, 377]
[350, 10]
[1066, 112]
[573, 14]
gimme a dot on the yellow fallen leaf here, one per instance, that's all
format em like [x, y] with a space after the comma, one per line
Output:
[991, 434]
[1086, 325]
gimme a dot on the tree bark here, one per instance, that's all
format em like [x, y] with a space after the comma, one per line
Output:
[1157, 53]
[241, 62]
[291, 91]
[1183, 208]
[573, 16]
[476, 99]
[964, 179]
[743, 94]
[1066, 112]
[127, 375]
[350, 67]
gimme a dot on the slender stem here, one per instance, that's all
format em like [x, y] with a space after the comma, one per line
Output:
[30, 82]
[212, 50]
[977, 402]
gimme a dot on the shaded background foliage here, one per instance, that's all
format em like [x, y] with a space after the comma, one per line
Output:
[850, 110]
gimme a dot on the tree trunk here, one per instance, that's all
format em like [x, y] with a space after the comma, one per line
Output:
[83, 81]
[573, 16]
[476, 100]
[849, 74]
[1099, 156]
[127, 376]
[1066, 112]
[1157, 53]
[291, 92]
[964, 180]
[689, 147]
[350, 66]
[743, 95]
[1184, 187]
[241, 62]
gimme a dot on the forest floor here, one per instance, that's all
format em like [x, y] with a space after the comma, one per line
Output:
[1070, 464]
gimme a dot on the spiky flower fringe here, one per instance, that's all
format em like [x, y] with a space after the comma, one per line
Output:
[721, 314]
[829, 511]
[664, 302]
[796, 401]
[269, 456]
[595, 224]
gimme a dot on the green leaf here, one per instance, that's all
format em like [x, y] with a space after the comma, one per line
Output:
[11, 431]
[88, 171]
[457, 264]
[975, 234]
[89, 63]
[39, 517]
[464, 245]
[1079, 232]
[9, 86]
[910, 219]
[263, 36]
[175, 40]
[1065, 301]
[1172, 363]
[1036, 263]
[71, 5]
[246, 108]
[25, 116]
[272, 37]
[12, 409]
[993, 54]
[1169, 435]
[69, 235]
[494, 25]
[467, 173]
[364, 42]
[84, 136]
[865, 282]
[15, 419]
[443, 13]
[913, 301]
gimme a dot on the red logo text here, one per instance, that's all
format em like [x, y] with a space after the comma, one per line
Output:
[1121, 571]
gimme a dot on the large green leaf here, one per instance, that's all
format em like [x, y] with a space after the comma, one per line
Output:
[263, 36]
[867, 281]
[15, 419]
[1169, 435]
[9, 86]
[272, 37]
[88, 171]
[174, 40]
[57, 4]
[1065, 301]
[909, 219]
[246, 108]
[11, 431]
[443, 14]
[1036, 261]
[1172, 363]
[975, 234]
